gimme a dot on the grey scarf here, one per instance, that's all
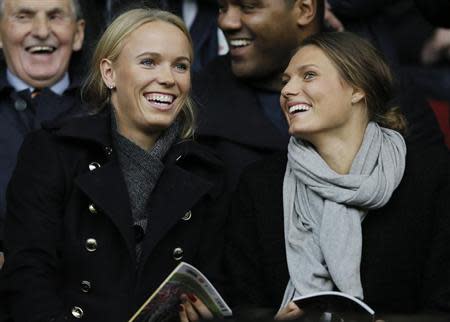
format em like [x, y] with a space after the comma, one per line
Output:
[141, 170]
[323, 211]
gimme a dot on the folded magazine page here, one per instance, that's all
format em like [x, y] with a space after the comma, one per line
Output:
[335, 306]
[162, 305]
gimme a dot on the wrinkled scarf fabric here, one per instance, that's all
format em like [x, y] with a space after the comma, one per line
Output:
[323, 210]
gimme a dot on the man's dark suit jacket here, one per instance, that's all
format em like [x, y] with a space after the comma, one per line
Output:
[21, 114]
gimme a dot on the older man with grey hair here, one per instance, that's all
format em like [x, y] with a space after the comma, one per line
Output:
[37, 39]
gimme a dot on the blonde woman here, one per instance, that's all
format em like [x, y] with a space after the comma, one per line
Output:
[103, 207]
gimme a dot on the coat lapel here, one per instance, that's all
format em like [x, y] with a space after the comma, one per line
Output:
[176, 193]
[105, 186]
[106, 189]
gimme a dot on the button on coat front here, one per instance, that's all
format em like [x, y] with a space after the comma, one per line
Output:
[77, 312]
[91, 245]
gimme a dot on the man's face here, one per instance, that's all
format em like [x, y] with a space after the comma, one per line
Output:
[261, 35]
[38, 38]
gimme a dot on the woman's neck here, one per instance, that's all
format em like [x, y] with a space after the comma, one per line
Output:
[144, 140]
[339, 151]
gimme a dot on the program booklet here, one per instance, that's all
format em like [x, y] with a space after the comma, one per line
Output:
[335, 306]
[163, 304]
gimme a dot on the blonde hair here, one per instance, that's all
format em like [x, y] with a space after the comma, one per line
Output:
[97, 94]
[361, 65]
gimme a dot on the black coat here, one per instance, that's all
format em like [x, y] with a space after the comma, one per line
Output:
[405, 264]
[69, 233]
[14, 124]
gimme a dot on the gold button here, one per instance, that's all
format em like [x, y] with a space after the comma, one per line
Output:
[92, 209]
[91, 245]
[85, 286]
[93, 166]
[178, 253]
[77, 312]
[187, 216]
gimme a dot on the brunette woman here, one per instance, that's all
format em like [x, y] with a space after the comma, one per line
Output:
[350, 207]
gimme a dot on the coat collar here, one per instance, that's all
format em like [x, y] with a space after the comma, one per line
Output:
[95, 128]
[230, 109]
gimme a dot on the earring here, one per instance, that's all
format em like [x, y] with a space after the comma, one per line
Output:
[111, 87]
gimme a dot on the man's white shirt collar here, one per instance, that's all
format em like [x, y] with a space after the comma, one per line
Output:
[20, 85]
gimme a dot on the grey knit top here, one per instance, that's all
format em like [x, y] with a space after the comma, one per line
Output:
[141, 170]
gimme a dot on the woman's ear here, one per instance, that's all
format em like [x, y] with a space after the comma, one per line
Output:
[108, 74]
[357, 95]
[306, 12]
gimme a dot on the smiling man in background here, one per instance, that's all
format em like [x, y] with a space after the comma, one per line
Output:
[37, 39]
[238, 94]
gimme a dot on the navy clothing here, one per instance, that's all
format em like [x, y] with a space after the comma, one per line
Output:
[270, 103]
[400, 31]
[395, 27]
[21, 114]
[204, 34]
[69, 237]
[405, 266]
[231, 119]
[203, 30]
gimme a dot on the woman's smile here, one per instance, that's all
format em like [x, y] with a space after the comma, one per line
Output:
[160, 101]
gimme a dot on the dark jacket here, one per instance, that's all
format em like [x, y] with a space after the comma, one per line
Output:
[232, 121]
[70, 240]
[437, 12]
[14, 124]
[396, 27]
[405, 264]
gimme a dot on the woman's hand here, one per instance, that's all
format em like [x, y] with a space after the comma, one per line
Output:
[193, 309]
[289, 312]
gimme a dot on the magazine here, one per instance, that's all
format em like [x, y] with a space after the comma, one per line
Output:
[163, 304]
[335, 306]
